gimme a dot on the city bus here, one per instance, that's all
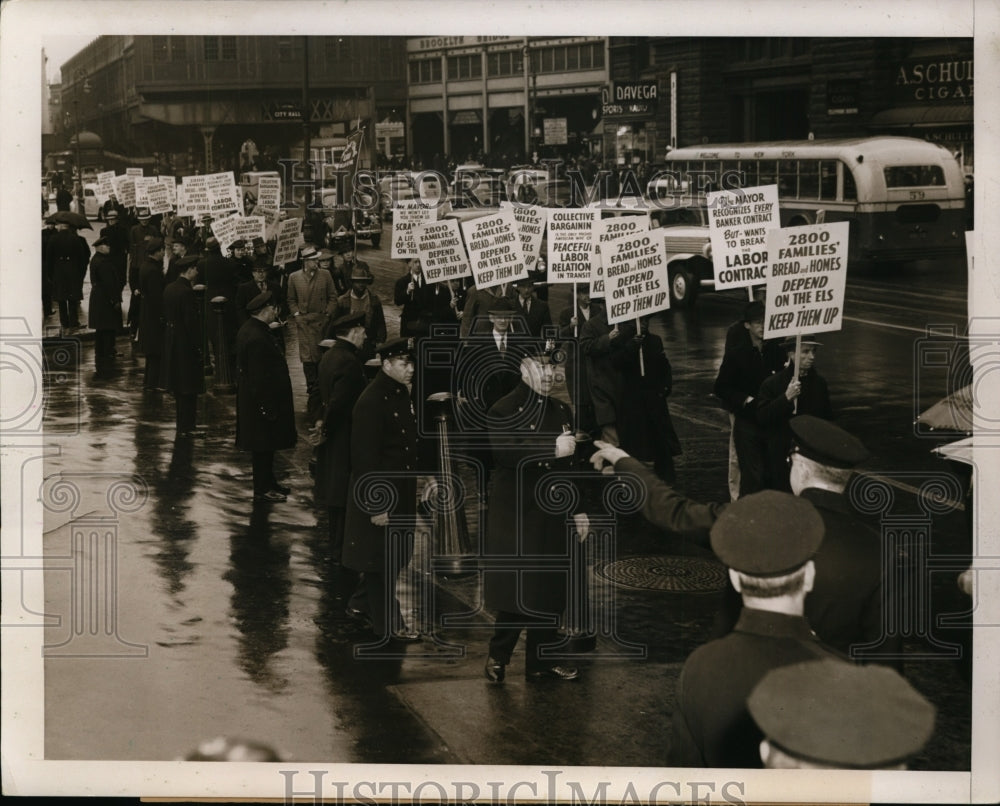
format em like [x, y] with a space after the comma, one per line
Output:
[904, 197]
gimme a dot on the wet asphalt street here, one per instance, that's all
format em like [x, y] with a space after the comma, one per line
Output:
[221, 617]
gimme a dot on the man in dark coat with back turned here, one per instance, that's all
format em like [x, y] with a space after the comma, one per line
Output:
[532, 437]
[151, 327]
[341, 381]
[265, 415]
[140, 234]
[384, 451]
[182, 357]
[68, 255]
[105, 307]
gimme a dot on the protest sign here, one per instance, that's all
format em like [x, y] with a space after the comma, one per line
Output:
[806, 279]
[635, 275]
[223, 195]
[249, 227]
[142, 184]
[531, 228]
[406, 217]
[171, 184]
[268, 203]
[441, 252]
[571, 245]
[105, 185]
[739, 221]
[288, 241]
[158, 198]
[494, 249]
[224, 229]
[604, 230]
[133, 172]
[124, 190]
[197, 202]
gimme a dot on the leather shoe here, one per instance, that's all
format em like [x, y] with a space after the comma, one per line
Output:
[281, 488]
[272, 496]
[553, 673]
[495, 670]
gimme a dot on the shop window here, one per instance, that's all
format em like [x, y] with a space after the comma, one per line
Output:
[229, 48]
[211, 46]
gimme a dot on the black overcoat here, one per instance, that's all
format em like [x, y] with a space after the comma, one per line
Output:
[523, 431]
[104, 310]
[68, 256]
[183, 362]
[341, 381]
[265, 414]
[384, 446]
[604, 380]
[151, 327]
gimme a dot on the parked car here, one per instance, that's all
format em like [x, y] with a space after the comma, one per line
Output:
[428, 186]
[362, 221]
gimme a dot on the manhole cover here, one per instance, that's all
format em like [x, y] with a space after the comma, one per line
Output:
[682, 574]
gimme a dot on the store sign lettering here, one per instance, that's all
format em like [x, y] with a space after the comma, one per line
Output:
[936, 81]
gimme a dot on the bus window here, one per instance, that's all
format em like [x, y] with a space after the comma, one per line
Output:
[808, 179]
[788, 179]
[828, 179]
[768, 172]
[731, 176]
[850, 189]
[749, 170]
[908, 176]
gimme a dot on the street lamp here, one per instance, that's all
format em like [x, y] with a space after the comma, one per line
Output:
[76, 114]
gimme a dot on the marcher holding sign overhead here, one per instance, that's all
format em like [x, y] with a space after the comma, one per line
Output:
[783, 396]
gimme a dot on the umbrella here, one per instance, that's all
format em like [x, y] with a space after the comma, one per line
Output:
[68, 217]
[953, 413]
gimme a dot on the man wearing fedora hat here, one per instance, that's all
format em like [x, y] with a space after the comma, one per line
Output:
[791, 391]
[105, 306]
[361, 299]
[312, 300]
[138, 236]
[68, 255]
[151, 323]
[534, 311]
[182, 347]
[265, 414]
[116, 234]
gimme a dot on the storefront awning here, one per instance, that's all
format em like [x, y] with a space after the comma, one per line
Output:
[923, 116]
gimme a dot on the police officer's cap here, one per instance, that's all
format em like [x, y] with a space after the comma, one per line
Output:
[154, 245]
[826, 443]
[347, 321]
[841, 715]
[143, 214]
[187, 261]
[398, 348]
[545, 351]
[769, 533]
[258, 302]
[753, 311]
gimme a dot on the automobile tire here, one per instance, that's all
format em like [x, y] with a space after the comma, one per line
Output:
[683, 288]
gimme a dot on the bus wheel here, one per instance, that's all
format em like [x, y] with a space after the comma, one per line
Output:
[683, 287]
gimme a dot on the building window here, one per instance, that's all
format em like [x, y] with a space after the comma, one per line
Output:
[213, 51]
[229, 48]
[288, 49]
[468, 66]
[505, 63]
[178, 48]
[161, 48]
[211, 44]
[587, 56]
[425, 71]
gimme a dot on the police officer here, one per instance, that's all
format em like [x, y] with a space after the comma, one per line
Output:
[767, 540]
[182, 357]
[831, 715]
[384, 450]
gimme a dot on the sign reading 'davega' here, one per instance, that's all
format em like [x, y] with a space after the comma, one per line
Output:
[571, 245]
[531, 228]
[407, 216]
[158, 198]
[494, 249]
[441, 252]
[289, 239]
[604, 230]
[806, 281]
[739, 221]
[635, 275]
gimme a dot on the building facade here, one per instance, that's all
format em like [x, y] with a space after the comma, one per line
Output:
[187, 104]
[499, 99]
[751, 89]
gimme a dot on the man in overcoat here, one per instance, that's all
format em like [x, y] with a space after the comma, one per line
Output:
[105, 306]
[361, 299]
[598, 340]
[341, 381]
[571, 323]
[265, 415]
[117, 237]
[182, 356]
[218, 272]
[533, 310]
[151, 327]
[532, 436]
[68, 256]
[767, 540]
[781, 397]
[384, 468]
[312, 300]
[138, 236]
[422, 304]
[848, 603]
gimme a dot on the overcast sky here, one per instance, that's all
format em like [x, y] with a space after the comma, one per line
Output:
[61, 48]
